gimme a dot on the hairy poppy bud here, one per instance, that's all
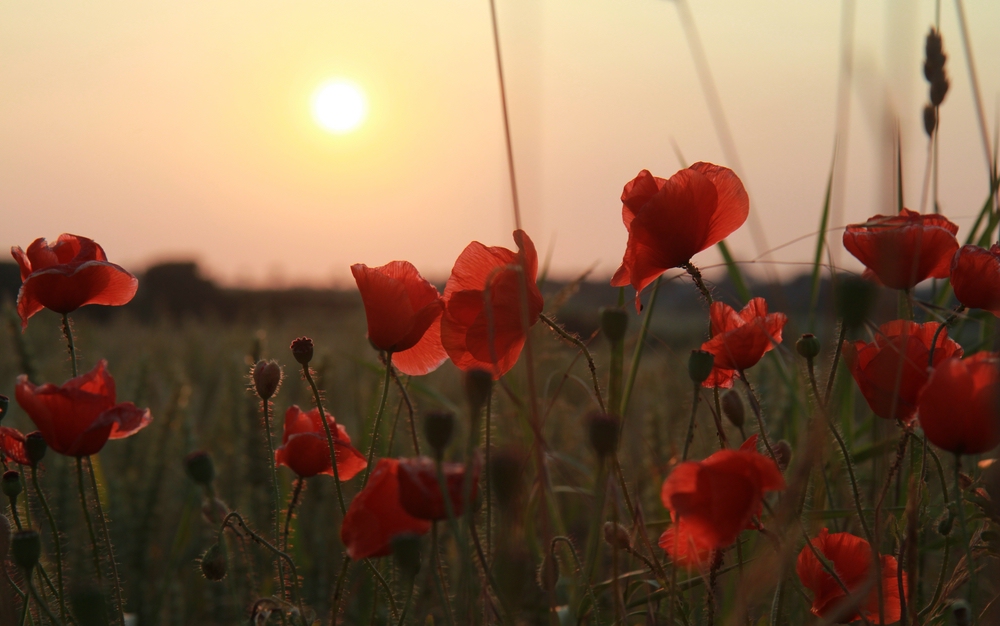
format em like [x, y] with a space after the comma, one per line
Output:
[26, 547]
[732, 408]
[855, 298]
[35, 447]
[90, 607]
[302, 350]
[700, 365]
[505, 470]
[11, 484]
[406, 552]
[4, 537]
[961, 614]
[266, 378]
[782, 454]
[807, 346]
[603, 430]
[930, 119]
[614, 323]
[4, 405]
[199, 467]
[213, 562]
[438, 428]
[478, 387]
[616, 536]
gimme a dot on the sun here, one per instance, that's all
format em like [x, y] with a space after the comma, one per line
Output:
[339, 106]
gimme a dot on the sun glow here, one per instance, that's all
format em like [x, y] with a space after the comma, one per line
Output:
[339, 106]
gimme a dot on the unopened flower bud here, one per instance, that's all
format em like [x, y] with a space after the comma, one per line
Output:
[26, 547]
[438, 428]
[213, 562]
[603, 430]
[506, 466]
[11, 483]
[782, 454]
[961, 614]
[732, 408]
[614, 323]
[302, 350]
[4, 405]
[199, 467]
[807, 346]
[478, 388]
[406, 553]
[35, 447]
[700, 365]
[855, 298]
[266, 378]
[616, 536]
[930, 119]
[90, 607]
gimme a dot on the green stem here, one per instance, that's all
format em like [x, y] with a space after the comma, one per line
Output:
[257, 538]
[637, 353]
[836, 361]
[329, 439]
[963, 527]
[345, 563]
[699, 282]
[42, 605]
[378, 418]
[579, 572]
[694, 412]
[576, 341]
[86, 516]
[755, 406]
[299, 483]
[406, 606]
[266, 408]
[489, 481]
[67, 329]
[55, 540]
[438, 577]
[107, 541]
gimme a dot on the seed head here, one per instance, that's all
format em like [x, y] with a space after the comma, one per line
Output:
[35, 447]
[478, 385]
[26, 547]
[807, 346]
[438, 428]
[302, 350]
[406, 552]
[11, 484]
[505, 470]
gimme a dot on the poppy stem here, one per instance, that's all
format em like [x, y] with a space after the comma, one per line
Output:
[694, 413]
[299, 483]
[637, 353]
[265, 407]
[378, 419]
[489, 483]
[964, 528]
[438, 575]
[940, 329]
[637, 523]
[755, 405]
[86, 516]
[699, 281]
[55, 538]
[67, 328]
[410, 410]
[576, 341]
[329, 442]
[836, 361]
[43, 606]
[107, 541]
[345, 563]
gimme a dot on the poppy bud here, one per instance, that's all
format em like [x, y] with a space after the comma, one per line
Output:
[4, 405]
[199, 467]
[930, 119]
[807, 346]
[505, 475]
[700, 365]
[960, 613]
[35, 447]
[266, 378]
[614, 323]
[855, 298]
[603, 430]
[616, 536]
[782, 454]
[438, 428]
[478, 387]
[213, 562]
[26, 547]
[90, 607]
[732, 408]
[11, 485]
[406, 552]
[4, 537]
[302, 350]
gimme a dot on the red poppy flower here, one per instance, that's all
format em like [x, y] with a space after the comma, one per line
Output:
[959, 407]
[686, 549]
[420, 494]
[851, 557]
[883, 381]
[403, 312]
[740, 340]
[717, 498]
[492, 273]
[901, 250]
[305, 451]
[671, 220]
[376, 516]
[975, 277]
[79, 417]
[66, 276]
[12, 445]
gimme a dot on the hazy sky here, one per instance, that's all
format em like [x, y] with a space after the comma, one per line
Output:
[183, 129]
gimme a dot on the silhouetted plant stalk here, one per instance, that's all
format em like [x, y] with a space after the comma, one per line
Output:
[963, 527]
[378, 420]
[67, 328]
[265, 407]
[55, 539]
[576, 341]
[86, 516]
[299, 483]
[755, 407]
[107, 541]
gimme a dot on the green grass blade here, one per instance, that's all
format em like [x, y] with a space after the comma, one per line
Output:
[820, 243]
[734, 272]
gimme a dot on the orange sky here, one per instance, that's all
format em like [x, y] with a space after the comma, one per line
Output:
[177, 130]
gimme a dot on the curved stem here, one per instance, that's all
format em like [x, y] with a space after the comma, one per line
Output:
[410, 410]
[755, 405]
[67, 329]
[329, 438]
[345, 563]
[86, 516]
[291, 508]
[55, 540]
[579, 572]
[107, 541]
[576, 341]
[276, 496]
[940, 329]
[378, 418]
